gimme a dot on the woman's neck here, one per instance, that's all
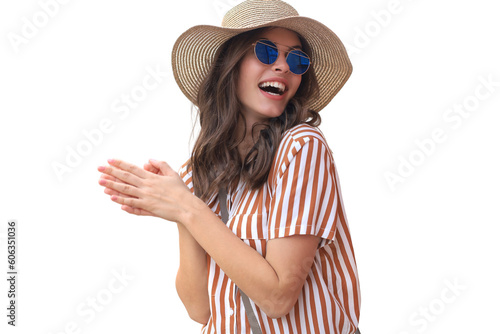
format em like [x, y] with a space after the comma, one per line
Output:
[251, 133]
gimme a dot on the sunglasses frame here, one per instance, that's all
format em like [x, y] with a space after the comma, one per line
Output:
[274, 46]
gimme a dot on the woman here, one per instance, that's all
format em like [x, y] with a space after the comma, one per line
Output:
[284, 262]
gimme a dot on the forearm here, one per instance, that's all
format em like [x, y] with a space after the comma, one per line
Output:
[191, 281]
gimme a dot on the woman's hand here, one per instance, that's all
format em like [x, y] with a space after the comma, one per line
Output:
[157, 190]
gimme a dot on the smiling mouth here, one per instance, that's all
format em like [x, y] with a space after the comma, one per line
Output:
[273, 88]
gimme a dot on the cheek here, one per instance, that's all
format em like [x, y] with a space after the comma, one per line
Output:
[251, 67]
[246, 72]
[251, 71]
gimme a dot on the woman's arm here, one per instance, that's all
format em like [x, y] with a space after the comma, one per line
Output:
[273, 282]
[191, 281]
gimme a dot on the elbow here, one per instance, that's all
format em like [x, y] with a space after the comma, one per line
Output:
[276, 312]
[197, 311]
[278, 307]
[200, 316]
[196, 304]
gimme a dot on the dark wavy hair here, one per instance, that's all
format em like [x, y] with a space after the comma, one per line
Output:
[215, 160]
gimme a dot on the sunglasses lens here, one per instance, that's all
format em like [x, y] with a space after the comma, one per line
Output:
[266, 52]
[298, 62]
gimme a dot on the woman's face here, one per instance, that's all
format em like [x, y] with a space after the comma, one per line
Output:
[259, 105]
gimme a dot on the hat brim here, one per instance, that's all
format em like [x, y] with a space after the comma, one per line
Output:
[194, 52]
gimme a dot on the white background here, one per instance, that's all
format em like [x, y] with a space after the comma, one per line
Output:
[438, 228]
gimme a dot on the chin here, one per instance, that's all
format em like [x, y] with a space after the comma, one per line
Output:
[273, 109]
[273, 113]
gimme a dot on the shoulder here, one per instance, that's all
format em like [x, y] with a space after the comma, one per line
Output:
[301, 134]
[293, 143]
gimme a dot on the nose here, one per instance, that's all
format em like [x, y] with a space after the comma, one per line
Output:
[281, 65]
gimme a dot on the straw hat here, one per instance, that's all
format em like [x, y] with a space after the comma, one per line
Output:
[194, 51]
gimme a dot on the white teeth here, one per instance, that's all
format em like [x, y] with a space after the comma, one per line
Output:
[275, 84]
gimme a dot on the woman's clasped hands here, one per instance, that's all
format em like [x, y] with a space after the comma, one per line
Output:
[157, 190]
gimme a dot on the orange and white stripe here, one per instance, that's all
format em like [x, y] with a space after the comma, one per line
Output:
[302, 197]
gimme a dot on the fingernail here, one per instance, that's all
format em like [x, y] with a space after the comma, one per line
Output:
[111, 161]
[101, 168]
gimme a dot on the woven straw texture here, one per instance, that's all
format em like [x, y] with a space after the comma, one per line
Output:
[194, 51]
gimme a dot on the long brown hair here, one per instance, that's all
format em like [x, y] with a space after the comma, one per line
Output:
[215, 160]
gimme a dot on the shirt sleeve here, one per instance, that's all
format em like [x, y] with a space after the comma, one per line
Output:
[304, 198]
[186, 174]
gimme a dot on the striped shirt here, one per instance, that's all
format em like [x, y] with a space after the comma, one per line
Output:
[301, 197]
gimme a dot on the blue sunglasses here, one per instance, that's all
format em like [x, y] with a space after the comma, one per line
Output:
[267, 53]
